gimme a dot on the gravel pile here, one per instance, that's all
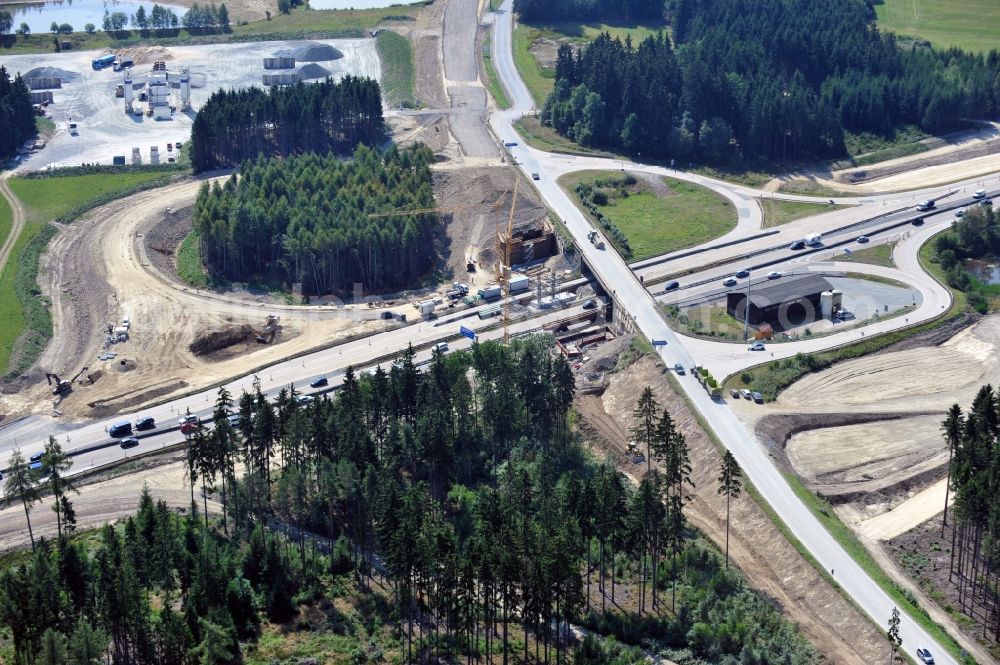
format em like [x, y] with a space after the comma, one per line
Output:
[49, 73]
[312, 71]
[310, 52]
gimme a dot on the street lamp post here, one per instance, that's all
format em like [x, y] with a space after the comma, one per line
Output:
[746, 309]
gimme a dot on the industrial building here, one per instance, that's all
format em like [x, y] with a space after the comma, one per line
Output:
[782, 303]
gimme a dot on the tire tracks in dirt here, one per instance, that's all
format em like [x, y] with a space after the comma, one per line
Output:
[17, 215]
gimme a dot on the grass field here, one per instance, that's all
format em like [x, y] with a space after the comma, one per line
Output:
[810, 188]
[397, 69]
[973, 25]
[545, 138]
[21, 307]
[657, 222]
[298, 24]
[879, 255]
[778, 212]
[492, 78]
[6, 220]
[540, 79]
[189, 266]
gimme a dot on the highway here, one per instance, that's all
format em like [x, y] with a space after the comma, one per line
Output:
[618, 278]
[879, 217]
[91, 445]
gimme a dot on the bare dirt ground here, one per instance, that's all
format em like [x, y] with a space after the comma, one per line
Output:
[481, 199]
[771, 564]
[96, 273]
[920, 559]
[841, 430]
[103, 501]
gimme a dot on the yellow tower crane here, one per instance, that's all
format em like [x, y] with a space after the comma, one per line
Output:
[503, 267]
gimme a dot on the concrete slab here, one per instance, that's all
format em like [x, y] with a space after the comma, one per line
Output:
[105, 130]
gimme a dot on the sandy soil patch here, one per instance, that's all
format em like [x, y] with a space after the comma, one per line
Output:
[96, 274]
[770, 563]
[867, 451]
[101, 502]
[899, 378]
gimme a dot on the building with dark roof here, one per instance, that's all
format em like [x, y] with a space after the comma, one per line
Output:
[782, 303]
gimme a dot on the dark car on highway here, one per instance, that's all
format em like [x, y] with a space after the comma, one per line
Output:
[743, 274]
[35, 461]
[145, 423]
[129, 442]
[318, 382]
[798, 244]
[672, 286]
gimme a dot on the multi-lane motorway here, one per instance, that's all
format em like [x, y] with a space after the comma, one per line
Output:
[699, 271]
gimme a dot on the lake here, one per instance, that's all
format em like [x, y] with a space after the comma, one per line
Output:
[77, 13]
[355, 4]
[985, 271]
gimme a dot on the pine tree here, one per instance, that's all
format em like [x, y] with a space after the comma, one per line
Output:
[21, 485]
[730, 476]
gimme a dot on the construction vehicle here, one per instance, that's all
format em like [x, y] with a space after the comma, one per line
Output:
[62, 386]
[119, 91]
[270, 329]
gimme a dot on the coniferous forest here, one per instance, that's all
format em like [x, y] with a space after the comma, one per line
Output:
[308, 219]
[457, 501]
[973, 441]
[762, 79]
[17, 120]
[324, 117]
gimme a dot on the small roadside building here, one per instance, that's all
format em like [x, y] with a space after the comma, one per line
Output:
[781, 303]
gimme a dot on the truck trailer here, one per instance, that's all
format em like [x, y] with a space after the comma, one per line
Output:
[102, 62]
[814, 239]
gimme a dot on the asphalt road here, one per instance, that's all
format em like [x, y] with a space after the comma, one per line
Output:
[92, 446]
[612, 271]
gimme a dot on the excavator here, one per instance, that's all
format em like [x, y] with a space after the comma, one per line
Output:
[62, 386]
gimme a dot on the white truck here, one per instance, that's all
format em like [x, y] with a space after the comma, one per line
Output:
[814, 239]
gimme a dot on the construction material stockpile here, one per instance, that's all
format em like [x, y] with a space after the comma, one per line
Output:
[310, 52]
[312, 71]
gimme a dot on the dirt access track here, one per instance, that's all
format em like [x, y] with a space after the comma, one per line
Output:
[96, 273]
[772, 565]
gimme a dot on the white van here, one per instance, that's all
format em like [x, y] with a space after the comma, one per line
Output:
[980, 193]
[441, 347]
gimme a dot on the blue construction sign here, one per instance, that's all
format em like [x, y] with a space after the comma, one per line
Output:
[659, 342]
[471, 334]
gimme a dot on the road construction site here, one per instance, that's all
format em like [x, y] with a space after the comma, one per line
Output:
[105, 128]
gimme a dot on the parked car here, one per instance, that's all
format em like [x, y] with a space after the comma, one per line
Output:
[730, 281]
[757, 346]
[590, 303]
[863, 239]
[743, 274]
[679, 368]
[757, 397]
[318, 382]
[960, 213]
[798, 244]
[144, 423]
[734, 393]
[774, 274]
[925, 656]
[979, 194]
[746, 394]
[672, 286]
[129, 442]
